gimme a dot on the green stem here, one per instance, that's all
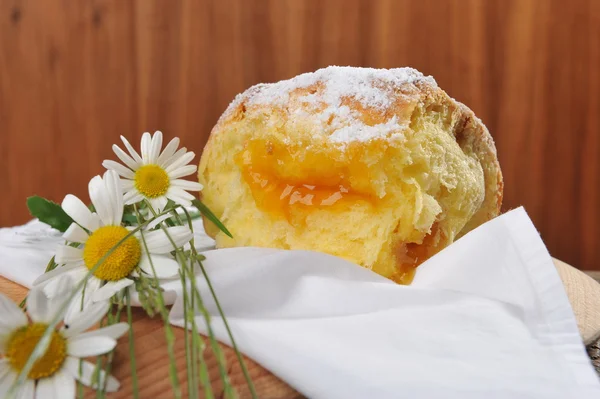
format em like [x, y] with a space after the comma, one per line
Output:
[104, 363]
[197, 342]
[225, 323]
[169, 335]
[99, 363]
[108, 369]
[134, 380]
[189, 343]
[194, 342]
[204, 377]
[79, 384]
[213, 341]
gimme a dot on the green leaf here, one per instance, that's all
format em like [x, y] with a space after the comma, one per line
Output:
[211, 216]
[51, 264]
[49, 212]
[129, 218]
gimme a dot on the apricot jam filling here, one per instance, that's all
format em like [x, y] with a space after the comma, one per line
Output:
[290, 183]
[410, 255]
[282, 186]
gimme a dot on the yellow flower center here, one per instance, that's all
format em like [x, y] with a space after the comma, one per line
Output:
[21, 344]
[152, 181]
[120, 262]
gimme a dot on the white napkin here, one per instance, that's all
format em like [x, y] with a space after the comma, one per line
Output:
[485, 318]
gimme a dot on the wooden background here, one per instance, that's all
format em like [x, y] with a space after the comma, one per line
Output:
[74, 75]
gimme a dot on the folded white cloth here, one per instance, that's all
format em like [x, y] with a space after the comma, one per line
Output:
[485, 318]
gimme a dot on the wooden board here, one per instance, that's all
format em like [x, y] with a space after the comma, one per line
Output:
[152, 361]
[74, 75]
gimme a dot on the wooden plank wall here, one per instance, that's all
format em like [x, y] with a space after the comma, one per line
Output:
[74, 75]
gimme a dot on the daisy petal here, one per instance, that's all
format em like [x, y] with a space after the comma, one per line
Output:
[100, 199]
[181, 235]
[126, 159]
[64, 385]
[90, 346]
[67, 254]
[58, 272]
[5, 368]
[78, 306]
[159, 243]
[178, 199]
[157, 221]
[132, 197]
[168, 152]
[175, 157]
[184, 160]
[136, 157]
[82, 302]
[114, 331]
[179, 196]
[115, 194]
[12, 316]
[45, 389]
[127, 185]
[111, 288]
[27, 390]
[75, 234]
[146, 147]
[155, 146]
[84, 320]
[163, 266]
[117, 167]
[179, 192]
[71, 365]
[182, 172]
[80, 213]
[5, 334]
[7, 376]
[158, 203]
[187, 185]
[37, 306]
[62, 287]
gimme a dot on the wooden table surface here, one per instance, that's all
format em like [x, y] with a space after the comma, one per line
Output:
[152, 361]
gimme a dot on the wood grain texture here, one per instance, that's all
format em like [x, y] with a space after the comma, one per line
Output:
[74, 75]
[152, 362]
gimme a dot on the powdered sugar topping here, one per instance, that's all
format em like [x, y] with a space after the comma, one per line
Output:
[371, 88]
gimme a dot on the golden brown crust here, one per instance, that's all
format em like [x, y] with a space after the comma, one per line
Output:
[472, 135]
[475, 133]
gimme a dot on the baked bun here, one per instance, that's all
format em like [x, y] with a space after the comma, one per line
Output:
[377, 166]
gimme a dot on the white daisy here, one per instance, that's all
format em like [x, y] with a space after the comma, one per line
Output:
[96, 233]
[155, 175]
[53, 375]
